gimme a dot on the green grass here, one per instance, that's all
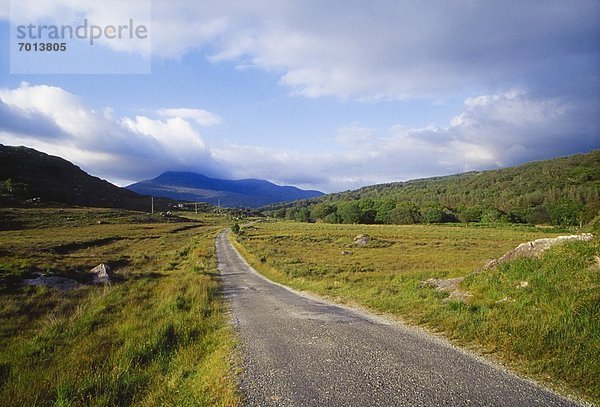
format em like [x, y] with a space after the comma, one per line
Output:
[549, 330]
[157, 336]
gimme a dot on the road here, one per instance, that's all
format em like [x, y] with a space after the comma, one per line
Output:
[301, 351]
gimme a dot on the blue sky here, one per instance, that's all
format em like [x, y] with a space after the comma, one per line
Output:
[327, 95]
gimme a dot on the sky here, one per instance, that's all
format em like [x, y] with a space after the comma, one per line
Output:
[328, 95]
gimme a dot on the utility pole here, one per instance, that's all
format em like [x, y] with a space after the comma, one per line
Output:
[153, 205]
[196, 207]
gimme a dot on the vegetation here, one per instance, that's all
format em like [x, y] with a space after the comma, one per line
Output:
[563, 191]
[540, 316]
[158, 335]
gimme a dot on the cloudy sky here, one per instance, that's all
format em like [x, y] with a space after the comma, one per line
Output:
[329, 95]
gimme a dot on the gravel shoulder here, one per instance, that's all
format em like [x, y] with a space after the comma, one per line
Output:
[298, 350]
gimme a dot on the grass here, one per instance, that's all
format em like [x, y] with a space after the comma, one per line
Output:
[549, 330]
[157, 336]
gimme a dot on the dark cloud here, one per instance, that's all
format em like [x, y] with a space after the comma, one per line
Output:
[29, 123]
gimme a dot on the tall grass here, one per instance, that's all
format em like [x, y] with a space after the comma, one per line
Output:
[158, 336]
[548, 329]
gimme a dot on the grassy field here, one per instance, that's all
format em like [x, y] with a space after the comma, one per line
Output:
[158, 335]
[540, 317]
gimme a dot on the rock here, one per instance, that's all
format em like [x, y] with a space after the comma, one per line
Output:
[441, 284]
[523, 284]
[361, 240]
[102, 274]
[535, 248]
[60, 283]
[346, 253]
[449, 285]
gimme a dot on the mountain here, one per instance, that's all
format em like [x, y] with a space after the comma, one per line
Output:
[28, 176]
[189, 186]
[563, 191]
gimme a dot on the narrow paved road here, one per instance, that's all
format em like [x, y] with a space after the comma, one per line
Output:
[300, 351]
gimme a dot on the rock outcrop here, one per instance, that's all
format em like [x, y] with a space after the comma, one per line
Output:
[102, 274]
[533, 248]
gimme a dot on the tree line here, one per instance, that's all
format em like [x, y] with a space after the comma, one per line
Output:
[387, 211]
[563, 191]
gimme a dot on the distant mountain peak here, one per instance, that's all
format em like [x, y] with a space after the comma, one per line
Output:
[195, 187]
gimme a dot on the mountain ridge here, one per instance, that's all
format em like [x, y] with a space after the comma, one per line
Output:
[29, 176]
[186, 185]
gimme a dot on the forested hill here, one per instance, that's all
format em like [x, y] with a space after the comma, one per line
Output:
[558, 191]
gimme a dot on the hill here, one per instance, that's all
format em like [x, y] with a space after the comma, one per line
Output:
[30, 177]
[189, 186]
[559, 191]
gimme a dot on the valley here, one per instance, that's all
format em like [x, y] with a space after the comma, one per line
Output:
[113, 306]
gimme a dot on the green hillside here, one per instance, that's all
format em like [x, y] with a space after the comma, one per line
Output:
[561, 191]
[32, 178]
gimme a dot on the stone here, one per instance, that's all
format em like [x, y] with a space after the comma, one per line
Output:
[361, 240]
[534, 248]
[450, 286]
[102, 274]
[60, 283]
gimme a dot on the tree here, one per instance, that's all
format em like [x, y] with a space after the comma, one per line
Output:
[367, 211]
[333, 218]
[539, 216]
[469, 214]
[290, 213]
[433, 213]
[492, 215]
[349, 212]
[302, 214]
[321, 210]
[8, 185]
[565, 212]
[405, 213]
[384, 207]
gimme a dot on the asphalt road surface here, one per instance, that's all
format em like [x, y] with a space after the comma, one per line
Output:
[301, 351]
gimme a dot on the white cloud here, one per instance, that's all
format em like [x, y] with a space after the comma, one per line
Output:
[56, 121]
[493, 130]
[201, 117]
[176, 136]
